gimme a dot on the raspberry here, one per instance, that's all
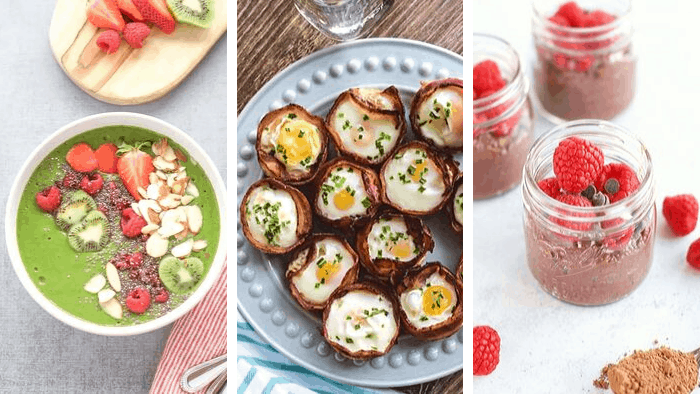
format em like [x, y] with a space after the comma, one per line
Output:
[135, 32]
[109, 41]
[135, 260]
[597, 18]
[681, 213]
[131, 223]
[620, 238]
[578, 201]
[617, 180]
[120, 261]
[161, 296]
[693, 256]
[487, 78]
[487, 346]
[71, 180]
[49, 199]
[577, 164]
[92, 183]
[559, 20]
[572, 13]
[138, 300]
[550, 187]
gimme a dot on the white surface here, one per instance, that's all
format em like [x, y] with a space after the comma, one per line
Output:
[552, 347]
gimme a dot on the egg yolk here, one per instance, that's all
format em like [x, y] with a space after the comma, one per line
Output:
[298, 140]
[419, 170]
[343, 200]
[436, 299]
[401, 249]
[327, 271]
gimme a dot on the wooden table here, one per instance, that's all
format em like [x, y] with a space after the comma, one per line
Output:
[272, 35]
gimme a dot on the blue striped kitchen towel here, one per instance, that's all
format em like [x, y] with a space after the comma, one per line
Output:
[263, 370]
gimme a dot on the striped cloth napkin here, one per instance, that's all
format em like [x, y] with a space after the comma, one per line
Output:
[263, 370]
[198, 336]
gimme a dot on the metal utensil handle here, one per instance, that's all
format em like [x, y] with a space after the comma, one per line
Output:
[218, 384]
[204, 374]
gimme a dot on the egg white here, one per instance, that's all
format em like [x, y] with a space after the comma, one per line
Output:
[412, 302]
[422, 195]
[361, 320]
[382, 238]
[458, 204]
[306, 281]
[285, 213]
[440, 117]
[340, 178]
[369, 135]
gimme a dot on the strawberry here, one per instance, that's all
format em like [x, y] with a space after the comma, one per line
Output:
[105, 14]
[156, 12]
[130, 10]
[133, 167]
[49, 199]
[81, 158]
[106, 156]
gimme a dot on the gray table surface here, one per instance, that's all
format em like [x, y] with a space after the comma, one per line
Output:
[39, 354]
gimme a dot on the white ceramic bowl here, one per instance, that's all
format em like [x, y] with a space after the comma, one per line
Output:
[78, 127]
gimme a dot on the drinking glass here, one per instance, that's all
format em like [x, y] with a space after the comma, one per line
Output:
[343, 20]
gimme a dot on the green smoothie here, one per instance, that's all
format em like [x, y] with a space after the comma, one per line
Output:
[59, 272]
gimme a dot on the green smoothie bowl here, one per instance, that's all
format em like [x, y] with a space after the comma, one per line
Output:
[115, 224]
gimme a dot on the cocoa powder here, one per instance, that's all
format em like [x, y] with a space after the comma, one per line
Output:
[661, 370]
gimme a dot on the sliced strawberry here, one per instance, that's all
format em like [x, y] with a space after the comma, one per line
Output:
[106, 156]
[130, 10]
[81, 158]
[133, 167]
[158, 13]
[105, 14]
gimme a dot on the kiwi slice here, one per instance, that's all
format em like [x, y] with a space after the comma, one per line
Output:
[180, 276]
[199, 13]
[90, 235]
[74, 208]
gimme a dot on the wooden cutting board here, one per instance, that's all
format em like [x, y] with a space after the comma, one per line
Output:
[129, 76]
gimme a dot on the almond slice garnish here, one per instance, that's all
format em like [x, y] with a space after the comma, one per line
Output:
[113, 277]
[152, 178]
[135, 207]
[149, 228]
[182, 234]
[153, 192]
[180, 185]
[113, 308]
[166, 166]
[159, 147]
[156, 246]
[169, 154]
[180, 156]
[192, 190]
[142, 192]
[194, 218]
[95, 284]
[161, 175]
[105, 295]
[169, 202]
[198, 245]
[168, 230]
[183, 249]
[186, 199]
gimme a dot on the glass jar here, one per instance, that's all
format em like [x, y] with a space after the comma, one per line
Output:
[503, 122]
[589, 255]
[583, 73]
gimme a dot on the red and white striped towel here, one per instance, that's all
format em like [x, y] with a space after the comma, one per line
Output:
[198, 336]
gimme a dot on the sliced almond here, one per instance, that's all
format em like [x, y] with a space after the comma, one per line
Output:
[198, 245]
[142, 192]
[105, 295]
[152, 178]
[149, 229]
[170, 201]
[168, 230]
[169, 154]
[152, 217]
[113, 277]
[163, 190]
[186, 199]
[182, 234]
[166, 166]
[152, 191]
[180, 156]
[194, 218]
[183, 249]
[95, 284]
[181, 173]
[156, 246]
[135, 207]
[112, 307]
[192, 190]
[171, 179]
[159, 147]
[174, 215]
[146, 204]
[180, 185]
[161, 175]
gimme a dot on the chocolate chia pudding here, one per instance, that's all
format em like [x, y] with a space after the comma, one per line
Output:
[499, 160]
[586, 271]
[585, 66]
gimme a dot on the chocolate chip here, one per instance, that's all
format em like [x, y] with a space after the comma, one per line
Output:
[589, 192]
[600, 199]
[612, 186]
